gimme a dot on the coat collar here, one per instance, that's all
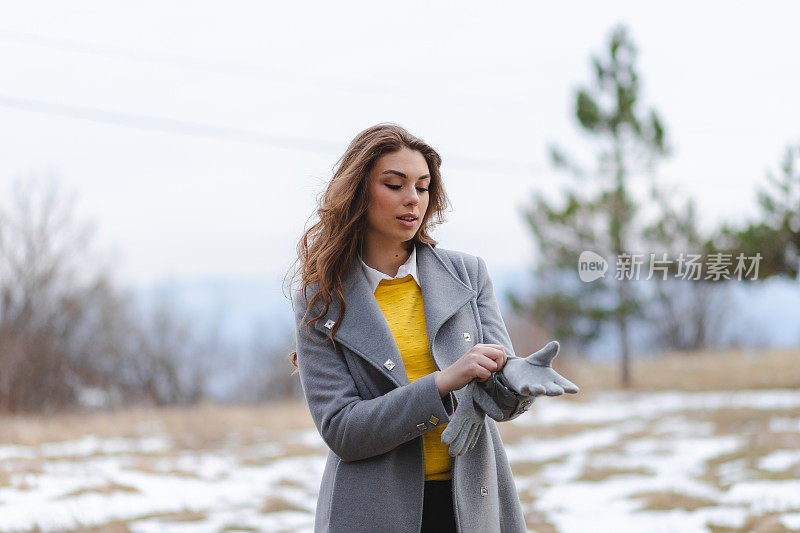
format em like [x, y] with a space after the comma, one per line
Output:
[374, 276]
[364, 329]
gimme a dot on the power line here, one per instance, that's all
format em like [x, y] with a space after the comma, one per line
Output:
[169, 125]
[225, 133]
[271, 73]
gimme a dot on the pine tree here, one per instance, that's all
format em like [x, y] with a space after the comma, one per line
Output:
[775, 235]
[599, 210]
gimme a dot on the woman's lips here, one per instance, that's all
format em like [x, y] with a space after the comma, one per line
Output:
[406, 223]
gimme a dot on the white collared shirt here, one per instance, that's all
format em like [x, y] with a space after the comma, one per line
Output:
[374, 276]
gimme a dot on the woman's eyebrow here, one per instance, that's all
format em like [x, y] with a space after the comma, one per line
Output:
[397, 172]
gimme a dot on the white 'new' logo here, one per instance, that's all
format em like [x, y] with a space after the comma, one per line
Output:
[591, 266]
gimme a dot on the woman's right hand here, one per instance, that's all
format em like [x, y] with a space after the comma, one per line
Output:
[478, 363]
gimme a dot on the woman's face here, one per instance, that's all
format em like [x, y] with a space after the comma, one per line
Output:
[398, 184]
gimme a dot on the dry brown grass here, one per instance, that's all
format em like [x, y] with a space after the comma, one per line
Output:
[285, 482]
[697, 371]
[595, 473]
[106, 489]
[668, 501]
[512, 433]
[530, 468]
[292, 449]
[274, 504]
[149, 469]
[110, 527]
[757, 445]
[183, 516]
[121, 526]
[538, 522]
[754, 524]
[197, 427]
[743, 420]
[209, 425]
[791, 473]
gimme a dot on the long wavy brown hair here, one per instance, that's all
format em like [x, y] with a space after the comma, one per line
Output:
[328, 247]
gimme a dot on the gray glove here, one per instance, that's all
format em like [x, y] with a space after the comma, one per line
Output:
[467, 422]
[534, 376]
[511, 403]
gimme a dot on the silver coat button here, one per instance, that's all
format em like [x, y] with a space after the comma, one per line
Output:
[389, 364]
[329, 324]
[484, 491]
[467, 337]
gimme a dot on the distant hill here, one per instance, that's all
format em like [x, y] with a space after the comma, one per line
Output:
[766, 314]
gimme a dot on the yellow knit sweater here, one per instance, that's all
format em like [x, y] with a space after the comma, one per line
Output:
[400, 300]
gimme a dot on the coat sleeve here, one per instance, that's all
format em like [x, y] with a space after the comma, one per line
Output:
[355, 428]
[494, 332]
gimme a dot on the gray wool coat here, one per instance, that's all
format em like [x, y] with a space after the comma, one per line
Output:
[372, 418]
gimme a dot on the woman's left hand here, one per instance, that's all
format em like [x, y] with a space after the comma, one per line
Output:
[465, 426]
[534, 375]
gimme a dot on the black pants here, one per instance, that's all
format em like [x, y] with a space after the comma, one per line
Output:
[437, 507]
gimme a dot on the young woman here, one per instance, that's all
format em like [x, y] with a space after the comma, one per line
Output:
[391, 331]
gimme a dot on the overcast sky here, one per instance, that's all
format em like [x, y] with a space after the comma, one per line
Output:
[198, 134]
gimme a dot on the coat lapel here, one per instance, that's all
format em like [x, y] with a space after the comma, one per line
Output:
[364, 329]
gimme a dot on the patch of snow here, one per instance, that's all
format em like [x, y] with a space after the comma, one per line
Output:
[244, 486]
[575, 505]
[535, 449]
[91, 444]
[646, 431]
[732, 471]
[766, 496]
[616, 406]
[779, 424]
[680, 426]
[282, 521]
[13, 451]
[791, 520]
[612, 520]
[779, 460]
[307, 437]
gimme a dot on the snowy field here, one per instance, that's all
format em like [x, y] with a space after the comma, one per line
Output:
[719, 462]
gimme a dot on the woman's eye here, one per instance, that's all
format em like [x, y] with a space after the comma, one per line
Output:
[397, 187]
